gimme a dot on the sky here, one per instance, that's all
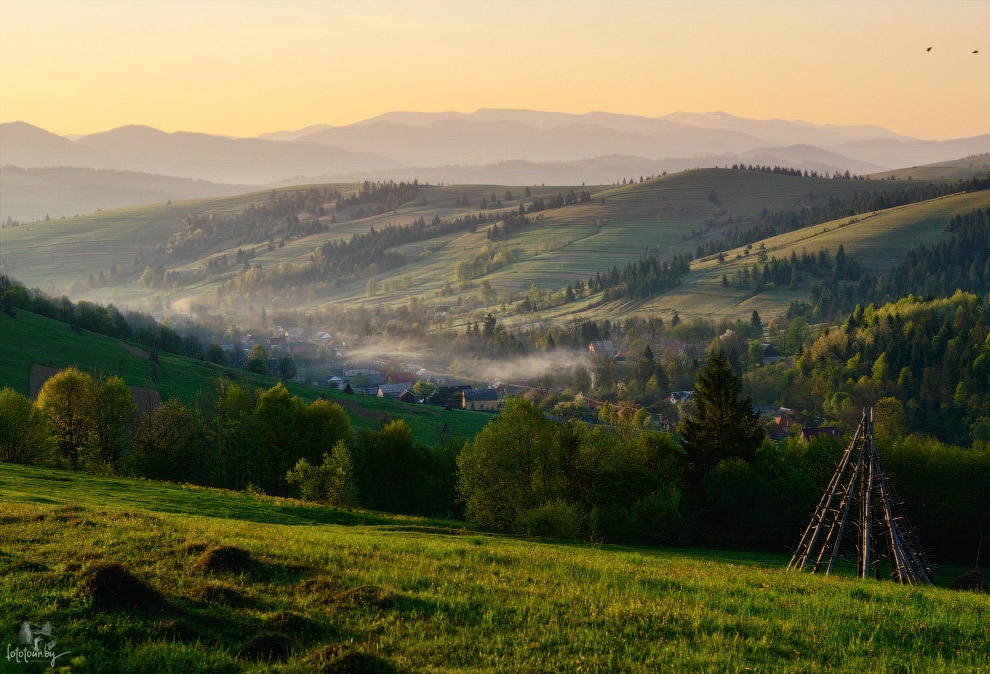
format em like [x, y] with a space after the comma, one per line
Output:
[247, 67]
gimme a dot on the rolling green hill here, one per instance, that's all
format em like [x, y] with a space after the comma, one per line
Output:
[876, 241]
[966, 167]
[32, 339]
[559, 246]
[316, 589]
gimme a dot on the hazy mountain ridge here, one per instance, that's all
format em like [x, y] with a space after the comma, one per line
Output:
[182, 154]
[489, 136]
[30, 194]
[484, 145]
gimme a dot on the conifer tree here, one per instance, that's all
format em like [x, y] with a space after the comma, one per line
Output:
[724, 426]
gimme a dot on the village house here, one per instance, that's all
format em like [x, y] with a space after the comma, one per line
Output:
[407, 396]
[602, 348]
[507, 390]
[391, 390]
[771, 355]
[677, 397]
[332, 381]
[480, 399]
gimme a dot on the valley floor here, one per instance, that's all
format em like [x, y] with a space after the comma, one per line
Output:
[329, 590]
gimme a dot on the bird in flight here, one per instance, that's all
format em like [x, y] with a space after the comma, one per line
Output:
[976, 51]
[929, 49]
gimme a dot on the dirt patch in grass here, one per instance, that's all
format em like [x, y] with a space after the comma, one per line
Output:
[362, 412]
[135, 351]
[37, 376]
[225, 559]
[112, 587]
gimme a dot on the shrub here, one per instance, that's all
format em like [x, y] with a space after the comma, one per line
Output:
[610, 525]
[554, 519]
[657, 515]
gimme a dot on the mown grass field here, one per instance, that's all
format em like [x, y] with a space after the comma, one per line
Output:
[30, 338]
[336, 591]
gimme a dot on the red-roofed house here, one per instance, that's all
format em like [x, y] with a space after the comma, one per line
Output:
[401, 378]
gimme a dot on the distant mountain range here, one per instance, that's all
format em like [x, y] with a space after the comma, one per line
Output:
[489, 144]
[182, 154]
[31, 194]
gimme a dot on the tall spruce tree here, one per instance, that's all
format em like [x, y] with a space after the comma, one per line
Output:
[724, 426]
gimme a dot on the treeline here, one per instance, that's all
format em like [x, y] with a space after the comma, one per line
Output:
[961, 263]
[512, 223]
[528, 474]
[642, 279]
[931, 357]
[346, 260]
[276, 218]
[105, 320]
[786, 171]
[236, 438]
[835, 207]
[388, 196]
[790, 271]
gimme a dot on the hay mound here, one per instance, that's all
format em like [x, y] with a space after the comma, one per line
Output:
[267, 646]
[214, 593]
[335, 659]
[225, 559]
[112, 587]
[971, 581]
[365, 595]
[288, 623]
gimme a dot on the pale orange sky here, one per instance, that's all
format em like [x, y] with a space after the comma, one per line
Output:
[250, 66]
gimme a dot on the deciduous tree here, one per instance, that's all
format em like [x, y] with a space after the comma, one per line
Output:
[67, 400]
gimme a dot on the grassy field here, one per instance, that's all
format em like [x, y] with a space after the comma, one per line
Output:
[32, 339]
[333, 591]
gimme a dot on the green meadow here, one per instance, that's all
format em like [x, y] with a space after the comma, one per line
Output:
[32, 339]
[312, 589]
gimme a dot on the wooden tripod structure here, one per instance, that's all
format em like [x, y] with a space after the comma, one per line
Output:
[859, 480]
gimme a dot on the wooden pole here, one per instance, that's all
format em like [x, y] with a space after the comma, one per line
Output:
[844, 508]
[866, 509]
[811, 532]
